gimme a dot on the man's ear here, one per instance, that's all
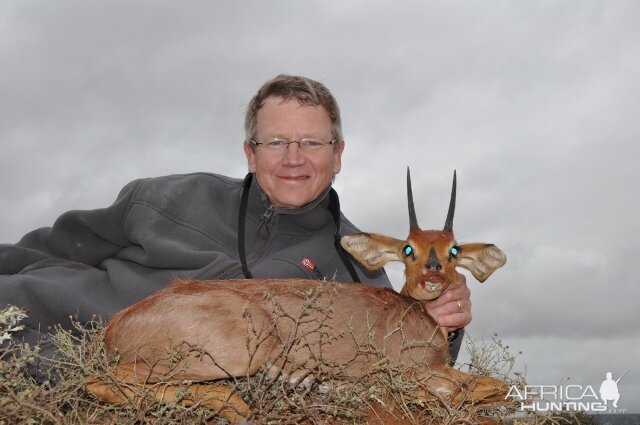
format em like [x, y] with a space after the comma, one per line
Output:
[373, 251]
[251, 157]
[337, 157]
[481, 259]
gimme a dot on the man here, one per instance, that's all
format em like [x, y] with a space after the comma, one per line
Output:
[282, 220]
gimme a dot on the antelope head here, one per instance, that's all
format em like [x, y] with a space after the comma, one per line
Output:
[430, 256]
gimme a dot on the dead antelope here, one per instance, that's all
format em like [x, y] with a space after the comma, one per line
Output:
[236, 328]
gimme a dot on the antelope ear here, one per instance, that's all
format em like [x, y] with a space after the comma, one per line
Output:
[481, 259]
[373, 251]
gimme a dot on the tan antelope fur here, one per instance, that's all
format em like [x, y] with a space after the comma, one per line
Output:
[236, 328]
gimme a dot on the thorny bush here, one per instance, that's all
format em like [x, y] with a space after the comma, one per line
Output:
[328, 395]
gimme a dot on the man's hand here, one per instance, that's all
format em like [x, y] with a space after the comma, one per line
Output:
[453, 308]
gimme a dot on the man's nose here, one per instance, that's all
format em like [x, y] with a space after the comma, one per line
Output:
[293, 155]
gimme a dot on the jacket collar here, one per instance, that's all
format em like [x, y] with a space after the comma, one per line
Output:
[325, 206]
[312, 216]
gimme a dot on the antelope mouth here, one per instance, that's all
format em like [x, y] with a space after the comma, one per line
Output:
[432, 282]
[432, 286]
[427, 290]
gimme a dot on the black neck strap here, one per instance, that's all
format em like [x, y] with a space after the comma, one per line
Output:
[334, 207]
[242, 218]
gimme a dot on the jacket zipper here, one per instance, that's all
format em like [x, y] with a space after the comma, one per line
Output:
[263, 242]
[266, 217]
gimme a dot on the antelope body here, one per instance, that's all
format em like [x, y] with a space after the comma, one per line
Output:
[288, 327]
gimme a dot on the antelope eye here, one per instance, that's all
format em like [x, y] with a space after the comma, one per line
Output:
[454, 251]
[408, 250]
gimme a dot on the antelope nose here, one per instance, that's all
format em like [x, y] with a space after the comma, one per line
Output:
[433, 265]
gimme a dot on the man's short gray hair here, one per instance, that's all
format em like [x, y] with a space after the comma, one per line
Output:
[287, 87]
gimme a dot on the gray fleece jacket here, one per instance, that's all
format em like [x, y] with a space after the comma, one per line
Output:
[100, 261]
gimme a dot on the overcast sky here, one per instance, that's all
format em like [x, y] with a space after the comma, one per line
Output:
[535, 104]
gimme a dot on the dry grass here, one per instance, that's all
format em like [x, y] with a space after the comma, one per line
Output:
[327, 395]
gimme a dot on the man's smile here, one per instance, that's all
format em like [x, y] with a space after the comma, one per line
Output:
[294, 178]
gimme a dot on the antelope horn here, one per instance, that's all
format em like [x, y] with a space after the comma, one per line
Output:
[413, 222]
[448, 224]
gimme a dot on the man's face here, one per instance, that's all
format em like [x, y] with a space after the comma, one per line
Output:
[293, 178]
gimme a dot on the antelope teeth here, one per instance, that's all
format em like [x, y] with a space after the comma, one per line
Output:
[430, 286]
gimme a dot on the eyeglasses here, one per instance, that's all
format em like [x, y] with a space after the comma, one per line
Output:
[278, 144]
